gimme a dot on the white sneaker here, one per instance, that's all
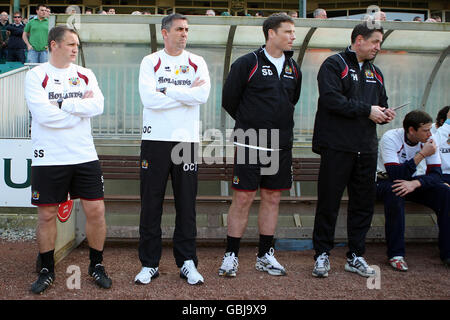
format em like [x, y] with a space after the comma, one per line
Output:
[146, 275]
[269, 264]
[322, 266]
[189, 272]
[359, 266]
[229, 266]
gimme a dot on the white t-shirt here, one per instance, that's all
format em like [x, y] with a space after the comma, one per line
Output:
[277, 62]
[174, 116]
[443, 140]
[62, 136]
[394, 151]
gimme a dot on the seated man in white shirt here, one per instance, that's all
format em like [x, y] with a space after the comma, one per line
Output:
[401, 150]
[443, 140]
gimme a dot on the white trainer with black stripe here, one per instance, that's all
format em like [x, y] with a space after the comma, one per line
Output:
[359, 265]
[269, 264]
[189, 272]
[321, 266]
[230, 264]
[146, 275]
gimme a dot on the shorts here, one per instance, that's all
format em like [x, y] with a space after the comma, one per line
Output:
[51, 184]
[265, 169]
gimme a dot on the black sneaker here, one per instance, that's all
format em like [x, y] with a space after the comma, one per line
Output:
[446, 262]
[44, 281]
[100, 276]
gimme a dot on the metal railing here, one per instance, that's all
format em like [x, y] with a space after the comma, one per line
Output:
[14, 114]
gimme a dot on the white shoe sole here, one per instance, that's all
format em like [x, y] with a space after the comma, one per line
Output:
[228, 274]
[145, 281]
[273, 272]
[355, 270]
[198, 282]
[319, 275]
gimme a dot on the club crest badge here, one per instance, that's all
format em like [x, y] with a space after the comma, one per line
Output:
[288, 69]
[144, 164]
[184, 69]
[74, 81]
[236, 180]
[369, 74]
[35, 195]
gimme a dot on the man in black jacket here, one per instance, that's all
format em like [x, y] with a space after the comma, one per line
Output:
[3, 36]
[352, 100]
[16, 45]
[260, 93]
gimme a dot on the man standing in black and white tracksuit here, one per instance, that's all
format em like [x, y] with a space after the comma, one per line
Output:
[352, 101]
[260, 93]
[172, 84]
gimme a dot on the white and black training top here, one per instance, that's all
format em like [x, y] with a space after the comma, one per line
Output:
[443, 140]
[175, 114]
[62, 136]
[395, 151]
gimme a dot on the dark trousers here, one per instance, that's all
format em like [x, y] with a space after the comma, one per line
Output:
[437, 198]
[3, 54]
[16, 55]
[446, 178]
[338, 170]
[156, 165]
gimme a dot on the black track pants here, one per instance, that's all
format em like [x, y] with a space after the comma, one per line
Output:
[356, 172]
[156, 165]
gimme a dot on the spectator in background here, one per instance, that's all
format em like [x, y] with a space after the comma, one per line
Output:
[73, 9]
[102, 12]
[430, 20]
[35, 36]
[259, 14]
[24, 21]
[112, 11]
[3, 36]
[417, 19]
[293, 14]
[320, 14]
[225, 13]
[16, 45]
[146, 13]
[48, 11]
[210, 12]
[136, 13]
[437, 18]
[88, 11]
[379, 15]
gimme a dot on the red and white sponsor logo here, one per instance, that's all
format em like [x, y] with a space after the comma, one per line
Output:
[64, 210]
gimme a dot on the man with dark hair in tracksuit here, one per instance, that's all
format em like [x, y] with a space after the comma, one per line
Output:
[352, 100]
[260, 93]
[401, 150]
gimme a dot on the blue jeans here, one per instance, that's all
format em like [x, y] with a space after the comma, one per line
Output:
[37, 56]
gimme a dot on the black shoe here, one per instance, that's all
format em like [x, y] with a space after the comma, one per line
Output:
[44, 281]
[446, 262]
[100, 276]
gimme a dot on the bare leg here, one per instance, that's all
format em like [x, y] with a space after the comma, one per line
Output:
[268, 211]
[46, 230]
[238, 213]
[95, 223]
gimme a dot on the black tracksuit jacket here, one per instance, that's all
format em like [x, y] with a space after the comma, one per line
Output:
[346, 94]
[257, 98]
